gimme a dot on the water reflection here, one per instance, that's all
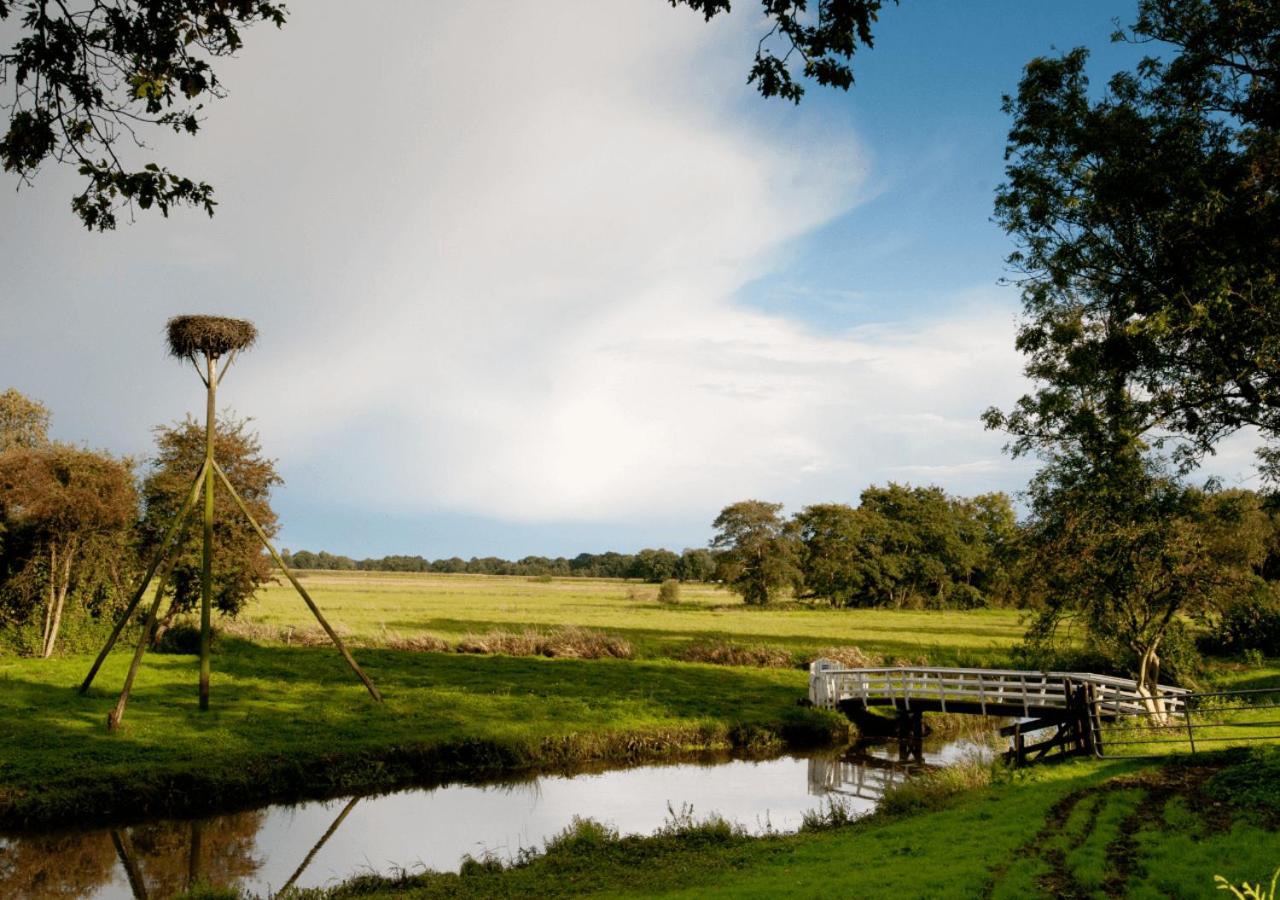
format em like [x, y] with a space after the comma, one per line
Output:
[156, 859]
[313, 844]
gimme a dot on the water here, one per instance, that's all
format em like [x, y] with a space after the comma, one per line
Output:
[325, 842]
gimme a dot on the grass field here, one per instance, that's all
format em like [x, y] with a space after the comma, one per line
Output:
[291, 721]
[372, 605]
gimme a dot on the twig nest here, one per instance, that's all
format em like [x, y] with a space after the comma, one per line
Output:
[212, 335]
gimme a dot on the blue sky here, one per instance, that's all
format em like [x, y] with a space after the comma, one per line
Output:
[573, 290]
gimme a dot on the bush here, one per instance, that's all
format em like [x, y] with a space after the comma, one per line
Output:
[569, 642]
[181, 638]
[726, 653]
[850, 657]
[1251, 623]
[669, 592]
[936, 789]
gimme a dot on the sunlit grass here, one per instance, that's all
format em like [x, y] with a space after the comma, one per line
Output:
[372, 605]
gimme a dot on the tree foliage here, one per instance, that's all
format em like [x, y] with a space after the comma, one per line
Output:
[758, 557]
[83, 80]
[1148, 224]
[24, 423]
[1128, 552]
[908, 546]
[1148, 253]
[822, 40]
[66, 514]
[87, 81]
[240, 564]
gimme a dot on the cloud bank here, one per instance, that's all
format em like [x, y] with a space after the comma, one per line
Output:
[495, 251]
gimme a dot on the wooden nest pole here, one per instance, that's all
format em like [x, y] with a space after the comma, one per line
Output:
[204, 340]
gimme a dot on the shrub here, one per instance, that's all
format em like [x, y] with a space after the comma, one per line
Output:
[935, 789]
[581, 836]
[669, 592]
[725, 653]
[835, 813]
[1250, 623]
[850, 657]
[181, 638]
[416, 643]
[569, 642]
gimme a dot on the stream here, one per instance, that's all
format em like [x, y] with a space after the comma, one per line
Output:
[321, 843]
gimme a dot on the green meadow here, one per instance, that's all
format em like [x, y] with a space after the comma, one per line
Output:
[289, 721]
[374, 605]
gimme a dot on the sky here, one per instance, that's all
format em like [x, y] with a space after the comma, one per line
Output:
[545, 278]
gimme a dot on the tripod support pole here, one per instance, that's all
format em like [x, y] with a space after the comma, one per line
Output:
[161, 553]
[315, 610]
[116, 715]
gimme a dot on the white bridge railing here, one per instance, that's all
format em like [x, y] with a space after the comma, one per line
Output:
[1002, 690]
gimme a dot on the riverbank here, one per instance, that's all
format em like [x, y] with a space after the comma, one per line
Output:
[1073, 828]
[290, 723]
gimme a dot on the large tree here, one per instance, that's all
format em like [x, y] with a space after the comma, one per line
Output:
[757, 557]
[1148, 223]
[66, 514]
[908, 546]
[239, 562]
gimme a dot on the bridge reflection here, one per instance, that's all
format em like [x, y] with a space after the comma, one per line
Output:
[858, 775]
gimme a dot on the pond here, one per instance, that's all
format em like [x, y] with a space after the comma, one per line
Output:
[324, 842]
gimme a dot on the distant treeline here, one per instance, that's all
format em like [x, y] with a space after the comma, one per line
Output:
[693, 564]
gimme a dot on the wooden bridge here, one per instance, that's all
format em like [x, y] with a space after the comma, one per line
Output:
[1074, 703]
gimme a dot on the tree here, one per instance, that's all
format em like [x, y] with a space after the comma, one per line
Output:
[758, 557]
[654, 566]
[824, 41]
[834, 552]
[89, 78]
[24, 423]
[84, 79]
[1148, 225]
[239, 564]
[66, 514]
[1148, 255]
[907, 546]
[696, 564]
[1127, 550]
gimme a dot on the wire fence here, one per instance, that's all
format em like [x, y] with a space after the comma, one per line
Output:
[1200, 721]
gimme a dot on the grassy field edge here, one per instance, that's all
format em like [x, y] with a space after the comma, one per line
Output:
[280, 736]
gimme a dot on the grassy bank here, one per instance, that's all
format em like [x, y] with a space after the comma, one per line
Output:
[293, 722]
[374, 605]
[1077, 829]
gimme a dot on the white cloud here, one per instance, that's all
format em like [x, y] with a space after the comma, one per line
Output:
[494, 250]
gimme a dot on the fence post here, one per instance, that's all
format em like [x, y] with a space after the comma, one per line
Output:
[1191, 731]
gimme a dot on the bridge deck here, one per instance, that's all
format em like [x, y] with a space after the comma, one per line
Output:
[993, 692]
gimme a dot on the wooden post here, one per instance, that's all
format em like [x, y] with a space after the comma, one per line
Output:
[117, 714]
[315, 610]
[156, 560]
[904, 735]
[206, 562]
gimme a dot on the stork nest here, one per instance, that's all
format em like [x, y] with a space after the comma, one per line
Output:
[211, 335]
